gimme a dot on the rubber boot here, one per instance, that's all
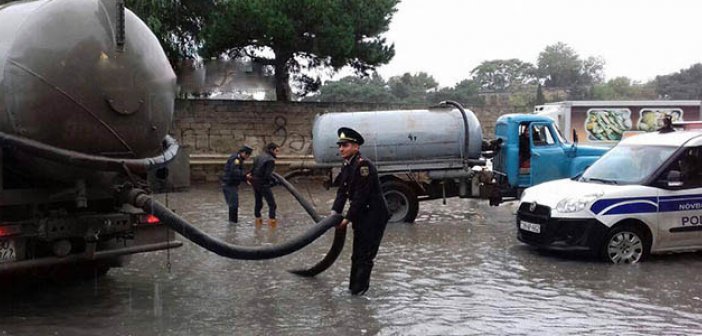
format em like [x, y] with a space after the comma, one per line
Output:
[352, 276]
[233, 215]
[361, 281]
[259, 221]
[272, 222]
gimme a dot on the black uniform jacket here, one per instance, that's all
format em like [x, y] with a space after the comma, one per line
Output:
[358, 182]
[234, 170]
[262, 170]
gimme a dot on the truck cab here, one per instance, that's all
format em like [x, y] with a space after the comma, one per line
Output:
[534, 151]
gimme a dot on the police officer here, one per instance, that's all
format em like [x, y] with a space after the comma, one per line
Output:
[233, 176]
[359, 184]
[262, 181]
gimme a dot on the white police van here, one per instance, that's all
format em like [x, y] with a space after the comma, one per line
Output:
[643, 196]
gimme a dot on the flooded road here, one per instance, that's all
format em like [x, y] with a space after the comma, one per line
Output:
[459, 270]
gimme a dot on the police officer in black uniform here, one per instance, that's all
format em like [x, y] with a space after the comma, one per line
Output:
[359, 184]
[262, 181]
[234, 174]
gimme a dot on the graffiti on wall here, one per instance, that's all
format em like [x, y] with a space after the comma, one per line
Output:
[209, 140]
[290, 142]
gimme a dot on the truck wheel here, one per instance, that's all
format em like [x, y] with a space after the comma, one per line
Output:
[625, 244]
[402, 202]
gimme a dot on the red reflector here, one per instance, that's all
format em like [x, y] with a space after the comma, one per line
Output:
[9, 230]
[151, 219]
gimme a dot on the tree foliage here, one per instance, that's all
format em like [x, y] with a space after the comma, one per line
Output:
[370, 89]
[685, 84]
[412, 88]
[465, 92]
[560, 66]
[299, 37]
[176, 23]
[501, 75]
[540, 97]
[419, 88]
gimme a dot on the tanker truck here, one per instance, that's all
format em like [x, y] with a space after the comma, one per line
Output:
[440, 152]
[86, 101]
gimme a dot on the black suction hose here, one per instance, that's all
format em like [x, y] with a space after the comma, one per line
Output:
[88, 161]
[329, 259]
[466, 141]
[228, 250]
[337, 244]
[175, 222]
[305, 204]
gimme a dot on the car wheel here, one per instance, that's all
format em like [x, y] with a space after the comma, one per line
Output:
[625, 245]
[402, 202]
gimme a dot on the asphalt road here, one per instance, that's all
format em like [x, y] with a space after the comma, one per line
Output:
[459, 270]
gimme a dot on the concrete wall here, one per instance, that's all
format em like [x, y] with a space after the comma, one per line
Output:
[211, 129]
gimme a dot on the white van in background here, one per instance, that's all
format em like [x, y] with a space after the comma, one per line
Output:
[605, 123]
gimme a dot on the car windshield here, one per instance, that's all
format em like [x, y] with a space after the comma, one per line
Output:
[627, 164]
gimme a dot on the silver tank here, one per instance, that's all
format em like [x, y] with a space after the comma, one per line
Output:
[409, 137]
[64, 82]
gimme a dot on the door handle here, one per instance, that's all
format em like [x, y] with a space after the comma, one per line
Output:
[536, 154]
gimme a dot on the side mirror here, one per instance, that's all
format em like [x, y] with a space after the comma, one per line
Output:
[575, 136]
[674, 179]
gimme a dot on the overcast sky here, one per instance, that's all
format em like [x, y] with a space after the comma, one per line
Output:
[637, 39]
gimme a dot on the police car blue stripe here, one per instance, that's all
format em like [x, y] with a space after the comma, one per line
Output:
[665, 204]
[681, 205]
[633, 208]
[603, 204]
[666, 198]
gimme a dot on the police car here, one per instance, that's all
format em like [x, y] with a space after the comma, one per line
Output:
[644, 196]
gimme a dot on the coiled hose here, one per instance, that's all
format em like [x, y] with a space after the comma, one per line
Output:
[337, 244]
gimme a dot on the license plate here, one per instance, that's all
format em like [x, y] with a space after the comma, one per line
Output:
[531, 227]
[7, 250]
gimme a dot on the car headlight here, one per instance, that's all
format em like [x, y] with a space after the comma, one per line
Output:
[575, 204]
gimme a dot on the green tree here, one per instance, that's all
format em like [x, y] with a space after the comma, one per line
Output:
[465, 92]
[540, 98]
[615, 89]
[685, 84]
[412, 89]
[501, 75]
[591, 71]
[299, 38]
[561, 66]
[370, 89]
[176, 23]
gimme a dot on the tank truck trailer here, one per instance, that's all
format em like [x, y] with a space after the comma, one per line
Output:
[440, 152]
[85, 78]
[86, 101]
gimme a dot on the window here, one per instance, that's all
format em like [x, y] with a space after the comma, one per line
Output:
[689, 164]
[541, 135]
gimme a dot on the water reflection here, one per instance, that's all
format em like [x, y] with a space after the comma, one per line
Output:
[458, 271]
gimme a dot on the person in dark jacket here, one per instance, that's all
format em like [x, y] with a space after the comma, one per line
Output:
[234, 174]
[262, 181]
[359, 184]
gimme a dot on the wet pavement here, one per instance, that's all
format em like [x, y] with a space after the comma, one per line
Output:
[459, 270]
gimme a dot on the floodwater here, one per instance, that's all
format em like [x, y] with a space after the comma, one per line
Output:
[459, 270]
